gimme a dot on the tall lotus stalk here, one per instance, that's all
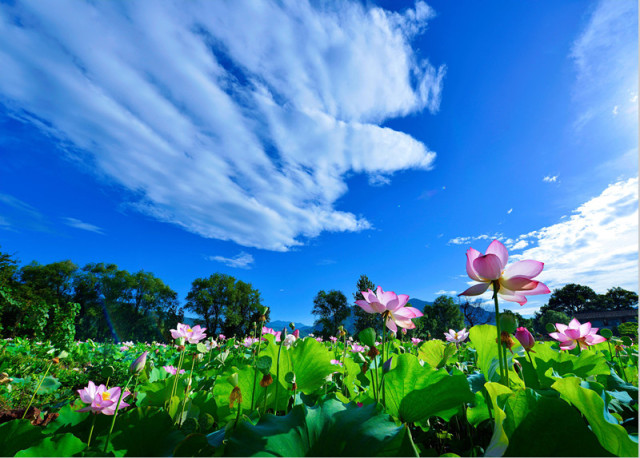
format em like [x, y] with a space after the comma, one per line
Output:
[115, 414]
[512, 283]
[53, 361]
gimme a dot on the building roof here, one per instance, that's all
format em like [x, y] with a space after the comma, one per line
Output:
[604, 314]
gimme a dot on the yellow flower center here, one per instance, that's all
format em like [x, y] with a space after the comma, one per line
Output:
[189, 330]
[106, 396]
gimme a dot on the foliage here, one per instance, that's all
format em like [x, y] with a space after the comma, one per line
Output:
[331, 309]
[363, 320]
[630, 328]
[443, 315]
[542, 318]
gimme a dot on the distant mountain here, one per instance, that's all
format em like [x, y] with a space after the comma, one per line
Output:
[417, 303]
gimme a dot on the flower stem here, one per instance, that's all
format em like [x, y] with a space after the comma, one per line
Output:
[383, 361]
[36, 391]
[344, 364]
[255, 374]
[115, 414]
[187, 390]
[93, 423]
[175, 380]
[496, 287]
[275, 409]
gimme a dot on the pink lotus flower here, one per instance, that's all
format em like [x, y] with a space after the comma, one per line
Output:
[101, 400]
[515, 281]
[248, 341]
[576, 333]
[456, 336]
[391, 306]
[266, 330]
[191, 335]
[172, 370]
[319, 339]
[335, 361]
[415, 340]
[525, 338]
[355, 348]
[222, 337]
[333, 339]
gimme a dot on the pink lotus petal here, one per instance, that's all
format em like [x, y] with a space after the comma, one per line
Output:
[385, 297]
[488, 267]
[364, 305]
[406, 313]
[518, 283]
[568, 345]
[475, 290]
[540, 288]
[561, 327]
[498, 249]
[573, 334]
[416, 313]
[369, 296]
[403, 299]
[574, 324]
[378, 307]
[585, 329]
[472, 255]
[593, 339]
[391, 325]
[527, 269]
[559, 337]
[512, 296]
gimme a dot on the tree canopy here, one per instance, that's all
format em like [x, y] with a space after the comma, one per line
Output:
[331, 309]
[363, 319]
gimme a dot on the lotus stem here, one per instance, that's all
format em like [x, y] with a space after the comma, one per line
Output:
[255, 373]
[115, 414]
[93, 423]
[188, 389]
[36, 391]
[275, 410]
[496, 287]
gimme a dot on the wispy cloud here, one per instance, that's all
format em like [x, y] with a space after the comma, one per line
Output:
[73, 222]
[550, 179]
[326, 262]
[240, 261]
[606, 58]
[234, 120]
[448, 293]
[474, 238]
[509, 211]
[20, 215]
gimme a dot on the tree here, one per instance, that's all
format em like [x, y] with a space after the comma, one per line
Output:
[443, 315]
[331, 309]
[242, 310]
[363, 319]
[630, 328]
[573, 298]
[209, 298]
[543, 317]
[620, 299]
[473, 313]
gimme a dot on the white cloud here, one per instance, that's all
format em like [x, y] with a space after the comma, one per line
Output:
[240, 261]
[615, 110]
[467, 240]
[550, 179]
[234, 120]
[509, 211]
[448, 293]
[73, 222]
[326, 262]
[597, 246]
[606, 58]
[519, 245]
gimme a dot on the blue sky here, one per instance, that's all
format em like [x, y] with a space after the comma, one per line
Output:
[298, 145]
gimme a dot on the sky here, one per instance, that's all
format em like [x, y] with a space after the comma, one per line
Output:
[297, 145]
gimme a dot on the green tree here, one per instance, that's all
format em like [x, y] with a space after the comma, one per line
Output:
[574, 298]
[542, 317]
[620, 299]
[363, 319]
[242, 309]
[209, 298]
[331, 309]
[443, 315]
[630, 328]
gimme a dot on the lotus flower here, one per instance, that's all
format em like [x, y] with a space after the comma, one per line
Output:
[582, 334]
[335, 361]
[248, 341]
[101, 400]
[391, 306]
[289, 340]
[515, 281]
[191, 335]
[266, 330]
[415, 340]
[333, 339]
[172, 370]
[356, 348]
[525, 338]
[138, 365]
[456, 336]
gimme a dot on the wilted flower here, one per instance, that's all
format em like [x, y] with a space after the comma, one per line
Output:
[266, 380]
[515, 281]
[172, 370]
[101, 400]
[525, 338]
[456, 336]
[576, 333]
[391, 306]
[191, 335]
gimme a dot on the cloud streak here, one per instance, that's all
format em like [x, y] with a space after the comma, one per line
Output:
[233, 120]
[240, 261]
[76, 223]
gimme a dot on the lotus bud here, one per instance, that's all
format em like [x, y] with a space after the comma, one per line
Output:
[138, 365]
[233, 379]
[386, 367]
[525, 338]
[292, 325]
